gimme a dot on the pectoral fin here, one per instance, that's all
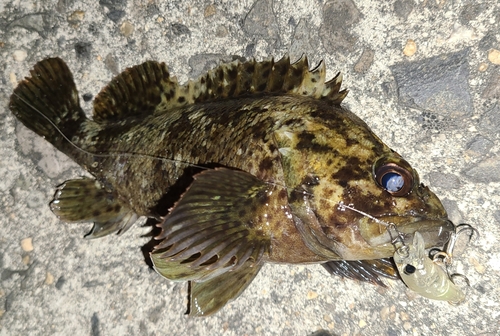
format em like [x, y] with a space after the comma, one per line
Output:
[213, 226]
[209, 296]
[85, 200]
[214, 236]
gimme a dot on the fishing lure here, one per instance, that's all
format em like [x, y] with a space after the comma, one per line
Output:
[423, 275]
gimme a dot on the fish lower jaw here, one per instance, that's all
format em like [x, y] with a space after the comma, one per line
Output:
[435, 231]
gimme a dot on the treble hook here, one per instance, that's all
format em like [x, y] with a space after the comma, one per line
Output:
[446, 257]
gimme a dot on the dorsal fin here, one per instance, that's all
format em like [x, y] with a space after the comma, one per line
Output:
[237, 79]
[134, 92]
[146, 88]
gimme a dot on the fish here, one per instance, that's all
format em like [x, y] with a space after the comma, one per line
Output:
[248, 164]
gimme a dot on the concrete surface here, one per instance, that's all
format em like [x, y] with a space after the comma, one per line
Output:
[435, 100]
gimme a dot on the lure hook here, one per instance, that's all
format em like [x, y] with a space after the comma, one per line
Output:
[447, 255]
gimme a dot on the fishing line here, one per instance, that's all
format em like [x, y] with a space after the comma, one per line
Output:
[397, 238]
[113, 154]
[128, 154]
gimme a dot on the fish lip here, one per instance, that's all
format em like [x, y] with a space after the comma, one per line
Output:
[435, 231]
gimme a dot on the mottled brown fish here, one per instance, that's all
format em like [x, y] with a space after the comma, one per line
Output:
[259, 160]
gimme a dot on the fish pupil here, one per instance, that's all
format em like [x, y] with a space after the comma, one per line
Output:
[409, 269]
[392, 182]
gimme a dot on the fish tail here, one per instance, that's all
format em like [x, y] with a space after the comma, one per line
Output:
[48, 104]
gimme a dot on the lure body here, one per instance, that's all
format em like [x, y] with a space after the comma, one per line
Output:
[424, 276]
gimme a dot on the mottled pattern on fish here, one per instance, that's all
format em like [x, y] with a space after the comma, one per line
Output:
[282, 157]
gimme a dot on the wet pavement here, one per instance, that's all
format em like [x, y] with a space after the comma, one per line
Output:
[425, 75]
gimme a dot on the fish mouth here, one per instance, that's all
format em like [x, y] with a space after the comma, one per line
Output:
[435, 231]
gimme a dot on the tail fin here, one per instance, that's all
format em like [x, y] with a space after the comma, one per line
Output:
[47, 103]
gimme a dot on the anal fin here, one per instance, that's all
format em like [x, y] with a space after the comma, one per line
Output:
[364, 270]
[209, 296]
[84, 200]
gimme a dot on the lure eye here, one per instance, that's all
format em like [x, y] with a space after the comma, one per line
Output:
[409, 269]
[394, 179]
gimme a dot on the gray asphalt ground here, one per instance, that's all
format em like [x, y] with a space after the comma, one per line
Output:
[425, 75]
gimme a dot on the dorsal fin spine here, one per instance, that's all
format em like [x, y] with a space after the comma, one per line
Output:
[147, 88]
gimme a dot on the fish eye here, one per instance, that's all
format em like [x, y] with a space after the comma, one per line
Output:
[409, 269]
[395, 179]
[393, 182]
